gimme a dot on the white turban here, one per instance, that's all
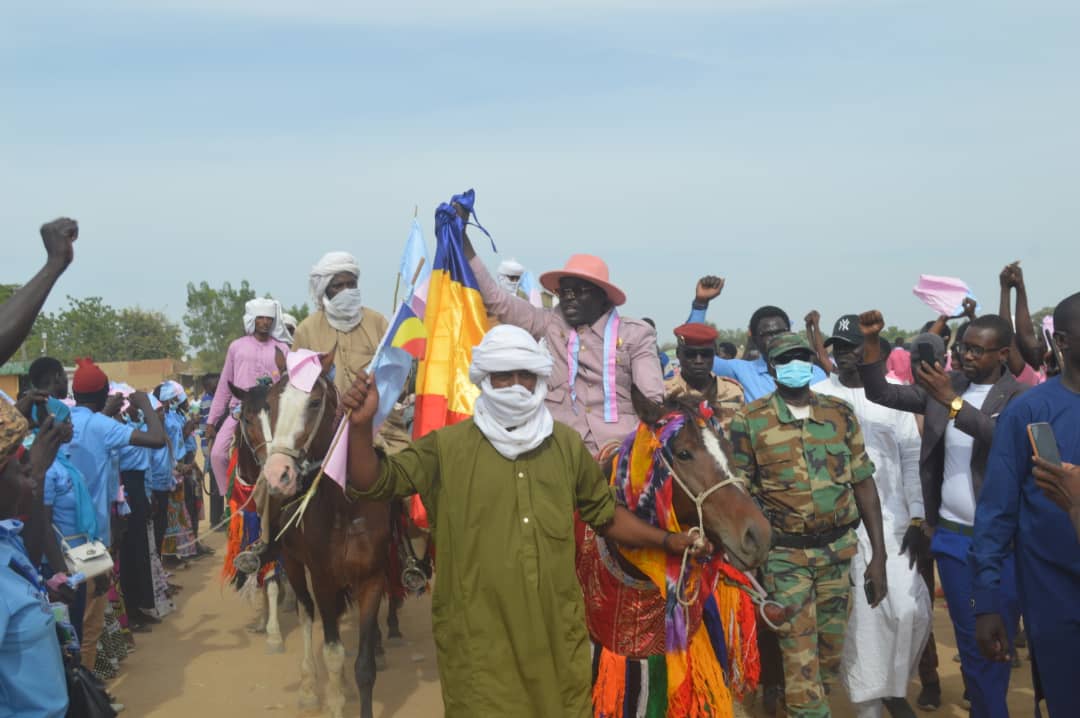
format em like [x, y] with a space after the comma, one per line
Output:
[508, 348]
[514, 419]
[263, 307]
[344, 312]
[510, 268]
[288, 320]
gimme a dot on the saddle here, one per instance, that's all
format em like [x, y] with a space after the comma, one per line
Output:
[623, 614]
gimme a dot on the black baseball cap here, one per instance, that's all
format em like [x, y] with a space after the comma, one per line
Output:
[846, 330]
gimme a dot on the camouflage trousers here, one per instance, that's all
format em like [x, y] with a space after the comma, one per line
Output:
[812, 641]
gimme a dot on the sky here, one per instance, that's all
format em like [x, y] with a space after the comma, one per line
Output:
[818, 154]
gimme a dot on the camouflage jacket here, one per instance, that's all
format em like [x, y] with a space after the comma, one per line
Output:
[802, 471]
[725, 401]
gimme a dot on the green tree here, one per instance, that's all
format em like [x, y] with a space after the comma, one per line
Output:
[299, 311]
[214, 318]
[143, 334]
[85, 327]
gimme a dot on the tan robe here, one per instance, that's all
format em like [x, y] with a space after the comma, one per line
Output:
[355, 349]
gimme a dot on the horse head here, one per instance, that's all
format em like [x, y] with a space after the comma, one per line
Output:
[699, 459]
[288, 429]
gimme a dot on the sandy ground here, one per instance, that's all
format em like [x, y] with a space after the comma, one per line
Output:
[202, 663]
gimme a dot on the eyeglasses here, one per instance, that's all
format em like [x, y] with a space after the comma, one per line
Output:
[567, 294]
[702, 353]
[975, 350]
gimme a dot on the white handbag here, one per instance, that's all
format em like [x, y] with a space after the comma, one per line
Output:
[90, 559]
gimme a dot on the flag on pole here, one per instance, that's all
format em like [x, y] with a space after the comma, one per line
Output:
[415, 269]
[945, 295]
[530, 287]
[456, 322]
[404, 341]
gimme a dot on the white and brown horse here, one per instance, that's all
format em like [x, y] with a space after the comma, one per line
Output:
[342, 546]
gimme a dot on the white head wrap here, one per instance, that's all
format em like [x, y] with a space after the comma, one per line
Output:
[262, 307]
[288, 320]
[510, 268]
[345, 310]
[513, 419]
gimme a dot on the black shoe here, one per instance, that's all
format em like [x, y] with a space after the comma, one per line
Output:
[898, 707]
[930, 697]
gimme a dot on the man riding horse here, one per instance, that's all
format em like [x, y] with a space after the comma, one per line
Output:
[501, 491]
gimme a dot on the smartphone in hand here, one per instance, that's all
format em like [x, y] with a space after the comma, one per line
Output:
[926, 353]
[1044, 443]
[868, 587]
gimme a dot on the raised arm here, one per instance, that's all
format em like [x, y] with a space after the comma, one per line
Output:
[18, 313]
[506, 307]
[1016, 358]
[872, 370]
[813, 332]
[1031, 347]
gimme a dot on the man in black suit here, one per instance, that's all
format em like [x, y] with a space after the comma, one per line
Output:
[960, 410]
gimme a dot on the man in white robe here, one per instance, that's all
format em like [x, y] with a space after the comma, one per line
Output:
[882, 645]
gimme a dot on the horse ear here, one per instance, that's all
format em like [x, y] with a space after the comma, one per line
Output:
[237, 391]
[646, 409]
[279, 359]
[327, 360]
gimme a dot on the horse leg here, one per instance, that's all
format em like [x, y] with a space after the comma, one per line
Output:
[393, 627]
[298, 580]
[368, 600]
[331, 602]
[274, 644]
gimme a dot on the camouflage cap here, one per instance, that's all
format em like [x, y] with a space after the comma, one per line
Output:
[13, 429]
[784, 343]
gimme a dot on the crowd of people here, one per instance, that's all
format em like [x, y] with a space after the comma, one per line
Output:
[881, 468]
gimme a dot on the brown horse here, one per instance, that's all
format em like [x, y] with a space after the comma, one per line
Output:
[692, 463]
[341, 545]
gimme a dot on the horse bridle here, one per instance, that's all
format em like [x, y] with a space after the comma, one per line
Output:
[300, 456]
[758, 595]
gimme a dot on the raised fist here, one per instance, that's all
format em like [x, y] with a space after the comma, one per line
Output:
[871, 323]
[58, 237]
[708, 288]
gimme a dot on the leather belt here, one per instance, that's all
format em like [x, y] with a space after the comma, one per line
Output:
[814, 540]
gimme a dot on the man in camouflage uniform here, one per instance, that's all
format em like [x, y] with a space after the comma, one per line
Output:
[804, 457]
[695, 380]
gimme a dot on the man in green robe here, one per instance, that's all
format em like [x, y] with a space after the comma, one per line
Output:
[501, 490]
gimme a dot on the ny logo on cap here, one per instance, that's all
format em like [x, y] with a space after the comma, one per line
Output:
[844, 325]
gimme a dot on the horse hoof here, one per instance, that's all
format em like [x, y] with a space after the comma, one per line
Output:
[275, 647]
[308, 703]
[393, 633]
[381, 664]
[255, 628]
[397, 640]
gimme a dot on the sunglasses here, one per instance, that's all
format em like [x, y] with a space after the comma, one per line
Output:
[698, 353]
[975, 351]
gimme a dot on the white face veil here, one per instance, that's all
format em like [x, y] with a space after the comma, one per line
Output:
[507, 269]
[266, 308]
[513, 419]
[345, 311]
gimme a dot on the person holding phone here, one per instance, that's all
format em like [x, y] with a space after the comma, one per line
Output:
[1027, 487]
[960, 409]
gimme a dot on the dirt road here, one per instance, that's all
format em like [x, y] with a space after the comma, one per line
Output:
[202, 663]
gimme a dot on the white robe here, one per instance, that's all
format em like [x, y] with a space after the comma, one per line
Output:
[882, 645]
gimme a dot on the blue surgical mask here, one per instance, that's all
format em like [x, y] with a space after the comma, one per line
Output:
[795, 374]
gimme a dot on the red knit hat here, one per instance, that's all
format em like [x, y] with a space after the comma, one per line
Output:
[89, 378]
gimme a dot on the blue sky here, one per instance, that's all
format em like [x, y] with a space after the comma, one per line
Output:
[817, 153]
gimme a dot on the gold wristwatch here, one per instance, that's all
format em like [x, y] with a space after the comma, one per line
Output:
[955, 406]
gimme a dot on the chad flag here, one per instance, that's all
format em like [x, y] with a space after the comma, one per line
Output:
[456, 322]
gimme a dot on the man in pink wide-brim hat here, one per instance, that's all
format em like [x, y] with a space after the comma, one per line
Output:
[598, 354]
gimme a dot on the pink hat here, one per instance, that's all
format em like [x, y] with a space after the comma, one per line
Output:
[587, 267]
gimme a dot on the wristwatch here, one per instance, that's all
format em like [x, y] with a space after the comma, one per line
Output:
[955, 406]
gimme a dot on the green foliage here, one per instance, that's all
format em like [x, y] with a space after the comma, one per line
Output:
[148, 335]
[214, 318]
[90, 327]
[299, 311]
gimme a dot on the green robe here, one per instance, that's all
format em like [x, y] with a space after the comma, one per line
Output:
[508, 613]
